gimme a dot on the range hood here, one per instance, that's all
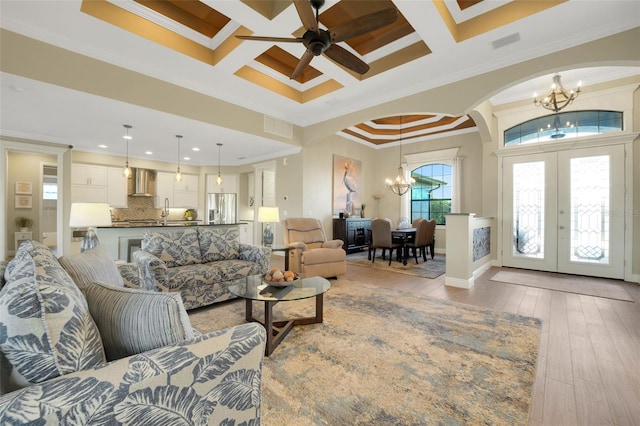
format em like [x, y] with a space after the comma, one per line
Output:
[143, 180]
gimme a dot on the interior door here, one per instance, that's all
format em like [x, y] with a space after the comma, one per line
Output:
[558, 211]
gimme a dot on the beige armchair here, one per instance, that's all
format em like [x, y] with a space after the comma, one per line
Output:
[311, 253]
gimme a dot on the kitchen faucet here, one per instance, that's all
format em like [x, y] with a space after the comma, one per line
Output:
[165, 211]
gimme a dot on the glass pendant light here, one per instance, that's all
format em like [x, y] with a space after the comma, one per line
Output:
[126, 172]
[178, 173]
[219, 178]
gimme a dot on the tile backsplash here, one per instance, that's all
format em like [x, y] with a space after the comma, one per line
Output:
[143, 208]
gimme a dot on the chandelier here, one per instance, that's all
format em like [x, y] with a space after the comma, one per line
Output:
[558, 97]
[400, 185]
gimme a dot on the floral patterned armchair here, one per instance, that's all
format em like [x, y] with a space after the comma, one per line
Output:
[60, 364]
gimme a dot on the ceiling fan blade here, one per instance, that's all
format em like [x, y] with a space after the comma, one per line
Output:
[278, 39]
[305, 11]
[346, 59]
[302, 64]
[363, 24]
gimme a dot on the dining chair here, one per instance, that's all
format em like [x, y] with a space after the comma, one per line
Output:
[381, 238]
[421, 240]
[431, 238]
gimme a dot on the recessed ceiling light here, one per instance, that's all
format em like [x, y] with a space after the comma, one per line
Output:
[148, 152]
[103, 146]
[195, 148]
[187, 158]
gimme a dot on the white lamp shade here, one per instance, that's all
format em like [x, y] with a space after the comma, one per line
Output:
[84, 215]
[268, 214]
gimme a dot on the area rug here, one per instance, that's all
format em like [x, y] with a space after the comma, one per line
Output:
[393, 358]
[432, 268]
[598, 287]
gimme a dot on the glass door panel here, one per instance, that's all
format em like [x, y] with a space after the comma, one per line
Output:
[591, 238]
[529, 212]
[528, 209]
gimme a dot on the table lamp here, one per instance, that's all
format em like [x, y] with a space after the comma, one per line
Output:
[268, 215]
[89, 215]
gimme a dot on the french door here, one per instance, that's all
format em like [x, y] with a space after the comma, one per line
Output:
[559, 211]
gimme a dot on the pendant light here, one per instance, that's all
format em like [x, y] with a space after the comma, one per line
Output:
[219, 178]
[399, 185]
[126, 172]
[178, 173]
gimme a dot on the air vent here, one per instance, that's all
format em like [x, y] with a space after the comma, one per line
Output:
[504, 41]
[278, 127]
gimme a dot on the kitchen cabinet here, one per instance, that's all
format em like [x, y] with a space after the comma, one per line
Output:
[116, 187]
[88, 183]
[164, 189]
[185, 193]
[229, 184]
[182, 194]
[355, 232]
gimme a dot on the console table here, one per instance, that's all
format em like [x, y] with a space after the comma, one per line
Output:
[353, 231]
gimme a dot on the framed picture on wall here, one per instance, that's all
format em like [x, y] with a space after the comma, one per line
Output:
[23, 201]
[347, 175]
[24, 188]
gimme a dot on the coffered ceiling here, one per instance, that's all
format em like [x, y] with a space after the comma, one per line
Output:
[83, 68]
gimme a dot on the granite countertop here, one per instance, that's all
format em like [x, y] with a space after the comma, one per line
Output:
[159, 223]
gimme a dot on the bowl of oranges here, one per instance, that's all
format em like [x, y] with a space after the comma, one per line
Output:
[277, 278]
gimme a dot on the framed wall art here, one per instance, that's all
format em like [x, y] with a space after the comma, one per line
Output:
[347, 175]
[24, 188]
[23, 202]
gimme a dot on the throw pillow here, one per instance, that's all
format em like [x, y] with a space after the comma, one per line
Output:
[90, 266]
[46, 330]
[133, 321]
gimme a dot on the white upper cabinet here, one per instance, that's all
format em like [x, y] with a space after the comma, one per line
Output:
[116, 187]
[185, 193]
[229, 184]
[88, 183]
[182, 194]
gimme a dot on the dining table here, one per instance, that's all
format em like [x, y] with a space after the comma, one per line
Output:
[404, 235]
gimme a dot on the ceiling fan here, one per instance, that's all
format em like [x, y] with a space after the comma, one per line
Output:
[319, 41]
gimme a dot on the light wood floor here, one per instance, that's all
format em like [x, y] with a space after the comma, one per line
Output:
[589, 361]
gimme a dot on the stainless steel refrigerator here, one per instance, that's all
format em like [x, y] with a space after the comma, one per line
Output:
[222, 208]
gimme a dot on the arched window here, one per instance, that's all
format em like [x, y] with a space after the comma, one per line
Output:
[437, 189]
[563, 125]
[431, 194]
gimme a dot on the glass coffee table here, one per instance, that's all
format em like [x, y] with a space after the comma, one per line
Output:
[253, 288]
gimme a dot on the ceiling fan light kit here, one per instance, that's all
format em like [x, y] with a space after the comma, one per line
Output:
[320, 41]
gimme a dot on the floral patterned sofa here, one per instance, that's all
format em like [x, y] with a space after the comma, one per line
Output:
[199, 262]
[58, 352]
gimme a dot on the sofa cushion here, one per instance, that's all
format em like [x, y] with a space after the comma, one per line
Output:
[46, 330]
[133, 321]
[175, 247]
[218, 243]
[91, 266]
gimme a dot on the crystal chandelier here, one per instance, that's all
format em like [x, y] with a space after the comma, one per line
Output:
[399, 185]
[558, 97]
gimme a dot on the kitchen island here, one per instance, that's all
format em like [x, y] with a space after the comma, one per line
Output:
[122, 239]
